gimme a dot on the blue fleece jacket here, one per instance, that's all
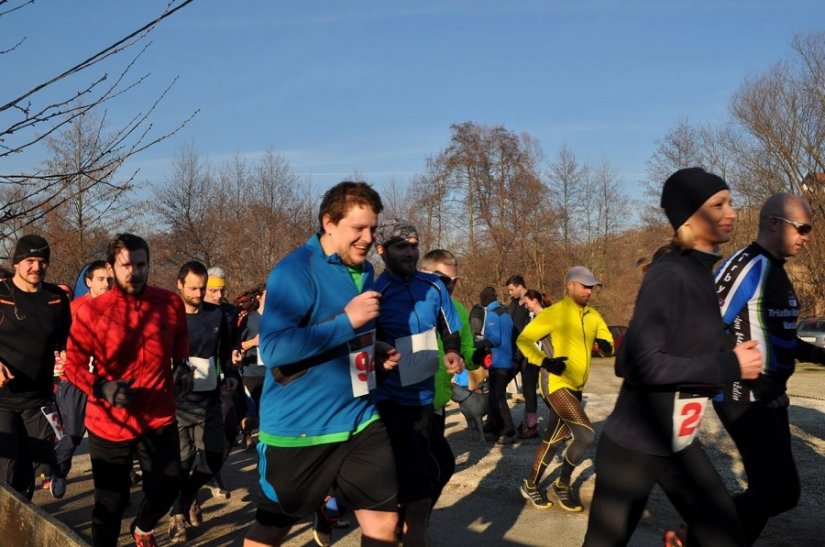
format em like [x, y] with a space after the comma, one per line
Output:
[307, 395]
[498, 331]
[411, 307]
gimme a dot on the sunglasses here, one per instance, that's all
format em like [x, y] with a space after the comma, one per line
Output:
[446, 279]
[803, 229]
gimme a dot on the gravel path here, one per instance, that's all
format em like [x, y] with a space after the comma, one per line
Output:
[481, 506]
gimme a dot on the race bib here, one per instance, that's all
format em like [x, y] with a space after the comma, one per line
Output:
[419, 357]
[688, 410]
[206, 373]
[362, 363]
[53, 417]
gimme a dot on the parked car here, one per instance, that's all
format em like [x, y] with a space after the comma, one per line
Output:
[618, 335]
[812, 331]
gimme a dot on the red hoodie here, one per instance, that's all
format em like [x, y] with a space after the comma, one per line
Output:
[124, 337]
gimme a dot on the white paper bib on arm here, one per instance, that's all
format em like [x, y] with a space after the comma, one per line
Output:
[419, 357]
[206, 373]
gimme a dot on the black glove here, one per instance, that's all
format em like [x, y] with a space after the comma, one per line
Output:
[605, 347]
[183, 379]
[554, 365]
[766, 388]
[118, 393]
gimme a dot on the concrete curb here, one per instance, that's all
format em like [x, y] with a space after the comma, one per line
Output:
[25, 525]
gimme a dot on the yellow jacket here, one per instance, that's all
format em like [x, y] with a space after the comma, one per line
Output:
[572, 330]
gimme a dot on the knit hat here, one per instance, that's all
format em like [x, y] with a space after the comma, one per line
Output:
[31, 246]
[393, 231]
[686, 190]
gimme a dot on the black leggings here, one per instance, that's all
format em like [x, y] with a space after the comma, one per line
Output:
[763, 438]
[624, 479]
[567, 419]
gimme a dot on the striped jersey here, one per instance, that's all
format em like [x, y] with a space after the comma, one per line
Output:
[758, 302]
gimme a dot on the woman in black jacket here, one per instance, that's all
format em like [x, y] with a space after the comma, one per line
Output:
[673, 357]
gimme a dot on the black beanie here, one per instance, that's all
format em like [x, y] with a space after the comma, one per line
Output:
[31, 246]
[686, 190]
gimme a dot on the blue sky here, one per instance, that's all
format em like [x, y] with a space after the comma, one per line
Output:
[373, 87]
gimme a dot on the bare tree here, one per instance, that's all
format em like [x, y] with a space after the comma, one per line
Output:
[50, 107]
[567, 181]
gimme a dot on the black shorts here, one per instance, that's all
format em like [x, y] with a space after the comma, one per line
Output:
[294, 481]
[410, 429]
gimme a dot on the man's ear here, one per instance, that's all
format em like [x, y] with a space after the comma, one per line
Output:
[326, 222]
[380, 250]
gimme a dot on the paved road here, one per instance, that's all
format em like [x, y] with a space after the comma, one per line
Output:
[481, 506]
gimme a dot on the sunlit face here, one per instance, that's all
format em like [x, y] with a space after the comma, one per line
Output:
[580, 294]
[30, 272]
[100, 282]
[401, 257]
[214, 295]
[533, 306]
[352, 237]
[131, 271]
[792, 240]
[516, 291]
[712, 224]
[192, 289]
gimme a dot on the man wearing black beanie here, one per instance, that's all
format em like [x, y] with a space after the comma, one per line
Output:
[34, 325]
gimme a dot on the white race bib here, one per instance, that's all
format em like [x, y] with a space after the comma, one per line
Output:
[206, 373]
[687, 417]
[419, 357]
[362, 363]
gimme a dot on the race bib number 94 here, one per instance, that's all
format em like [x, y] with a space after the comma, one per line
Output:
[687, 417]
[362, 363]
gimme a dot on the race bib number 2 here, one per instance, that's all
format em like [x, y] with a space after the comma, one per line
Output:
[687, 417]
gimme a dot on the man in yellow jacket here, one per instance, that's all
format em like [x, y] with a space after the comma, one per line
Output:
[572, 327]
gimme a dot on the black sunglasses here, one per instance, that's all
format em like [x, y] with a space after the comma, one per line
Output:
[803, 229]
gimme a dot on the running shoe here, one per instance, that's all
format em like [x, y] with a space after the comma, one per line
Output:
[177, 529]
[568, 500]
[195, 514]
[46, 484]
[321, 528]
[528, 432]
[507, 439]
[675, 538]
[218, 490]
[534, 495]
[57, 486]
[144, 540]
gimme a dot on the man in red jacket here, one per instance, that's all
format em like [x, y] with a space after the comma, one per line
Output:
[128, 352]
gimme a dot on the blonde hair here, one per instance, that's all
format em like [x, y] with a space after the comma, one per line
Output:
[684, 237]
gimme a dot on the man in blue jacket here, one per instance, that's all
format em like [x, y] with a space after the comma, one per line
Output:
[498, 340]
[319, 428]
[416, 309]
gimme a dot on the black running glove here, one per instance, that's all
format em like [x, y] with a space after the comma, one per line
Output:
[605, 347]
[183, 379]
[554, 365]
[118, 393]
